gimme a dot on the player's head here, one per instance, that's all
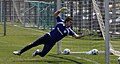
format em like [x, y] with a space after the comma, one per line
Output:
[68, 21]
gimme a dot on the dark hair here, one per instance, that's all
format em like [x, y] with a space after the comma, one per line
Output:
[68, 19]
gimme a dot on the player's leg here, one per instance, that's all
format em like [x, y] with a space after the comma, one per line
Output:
[46, 49]
[36, 43]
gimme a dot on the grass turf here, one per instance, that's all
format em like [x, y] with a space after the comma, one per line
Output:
[17, 37]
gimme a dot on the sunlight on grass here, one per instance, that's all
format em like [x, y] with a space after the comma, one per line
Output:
[17, 37]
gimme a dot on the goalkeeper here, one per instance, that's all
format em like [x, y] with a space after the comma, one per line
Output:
[61, 30]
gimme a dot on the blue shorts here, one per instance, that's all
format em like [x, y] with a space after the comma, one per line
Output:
[46, 40]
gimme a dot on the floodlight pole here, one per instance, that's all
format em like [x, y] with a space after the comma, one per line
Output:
[107, 48]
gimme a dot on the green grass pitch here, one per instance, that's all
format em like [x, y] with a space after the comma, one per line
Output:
[17, 37]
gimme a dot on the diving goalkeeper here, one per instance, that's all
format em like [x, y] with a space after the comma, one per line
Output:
[61, 30]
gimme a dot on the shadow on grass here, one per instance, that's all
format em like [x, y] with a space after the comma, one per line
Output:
[35, 60]
[63, 60]
[71, 60]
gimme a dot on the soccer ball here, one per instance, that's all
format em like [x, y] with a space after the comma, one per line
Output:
[94, 51]
[66, 51]
[119, 60]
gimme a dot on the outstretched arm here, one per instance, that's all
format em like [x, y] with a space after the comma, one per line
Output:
[78, 36]
[60, 10]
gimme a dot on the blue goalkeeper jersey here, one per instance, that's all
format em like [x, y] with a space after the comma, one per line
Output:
[60, 31]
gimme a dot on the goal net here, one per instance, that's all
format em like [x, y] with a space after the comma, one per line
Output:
[102, 28]
[84, 23]
[74, 48]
